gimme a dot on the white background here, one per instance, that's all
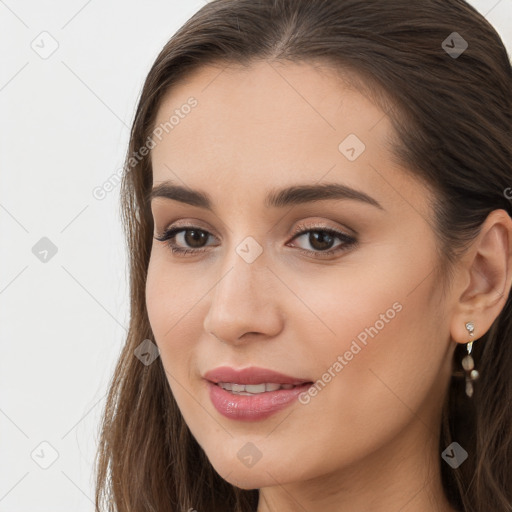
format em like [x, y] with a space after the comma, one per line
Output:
[64, 130]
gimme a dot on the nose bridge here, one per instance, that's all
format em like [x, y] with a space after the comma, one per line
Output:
[243, 267]
[240, 301]
[241, 282]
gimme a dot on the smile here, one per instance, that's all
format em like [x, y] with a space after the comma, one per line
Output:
[252, 389]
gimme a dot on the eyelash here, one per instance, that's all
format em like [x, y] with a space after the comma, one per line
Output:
[347, 241]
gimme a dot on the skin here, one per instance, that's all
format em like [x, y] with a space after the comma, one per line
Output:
[368, 441]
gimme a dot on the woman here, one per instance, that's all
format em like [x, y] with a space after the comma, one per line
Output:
[316, 208]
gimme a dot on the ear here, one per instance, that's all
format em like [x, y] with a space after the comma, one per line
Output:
[484, 278]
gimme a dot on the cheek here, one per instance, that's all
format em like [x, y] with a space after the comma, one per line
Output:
[170, 300]
[374, 346]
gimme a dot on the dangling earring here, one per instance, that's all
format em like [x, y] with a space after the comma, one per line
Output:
[468, 363]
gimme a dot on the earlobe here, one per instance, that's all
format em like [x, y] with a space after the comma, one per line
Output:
[487, 276]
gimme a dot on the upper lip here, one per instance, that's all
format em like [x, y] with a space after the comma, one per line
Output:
[251, 375]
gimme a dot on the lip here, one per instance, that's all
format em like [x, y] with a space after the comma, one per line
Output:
[251, 375]
[257, 407]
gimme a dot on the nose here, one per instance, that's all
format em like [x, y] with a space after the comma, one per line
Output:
[244, 303]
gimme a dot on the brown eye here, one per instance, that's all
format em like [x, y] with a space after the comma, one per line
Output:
[194, 237]
[189, 240]
[320, 240]
[323, 241]
[185, 240]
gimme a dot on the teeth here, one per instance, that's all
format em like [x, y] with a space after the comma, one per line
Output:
[252, 389]
[255, 388]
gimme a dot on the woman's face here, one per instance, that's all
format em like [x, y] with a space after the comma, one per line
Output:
[336, 289]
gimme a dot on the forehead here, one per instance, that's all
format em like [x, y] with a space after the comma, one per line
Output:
[291, 100]
[273, 124]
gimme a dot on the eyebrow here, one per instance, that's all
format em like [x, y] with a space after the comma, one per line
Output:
[293, 195]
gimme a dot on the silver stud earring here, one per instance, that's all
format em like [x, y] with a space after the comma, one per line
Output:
[468, 363]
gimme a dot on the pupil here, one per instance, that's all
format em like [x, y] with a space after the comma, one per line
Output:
[195, 237]
[320, 240]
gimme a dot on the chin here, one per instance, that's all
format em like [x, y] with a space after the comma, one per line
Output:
[248, 479]
[230, 468]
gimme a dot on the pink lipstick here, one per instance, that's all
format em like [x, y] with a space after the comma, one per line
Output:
[252, 394]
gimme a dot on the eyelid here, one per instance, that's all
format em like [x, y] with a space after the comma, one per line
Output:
[322, 226]
[301, 226]
[299, 229]
[347, 241]
[189, 223]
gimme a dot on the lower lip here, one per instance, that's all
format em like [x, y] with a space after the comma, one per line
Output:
[253, 408]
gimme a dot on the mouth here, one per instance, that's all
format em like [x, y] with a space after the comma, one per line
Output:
[252, 394]
[253, 389]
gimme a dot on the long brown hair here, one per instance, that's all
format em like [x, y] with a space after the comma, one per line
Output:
[452, 115]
